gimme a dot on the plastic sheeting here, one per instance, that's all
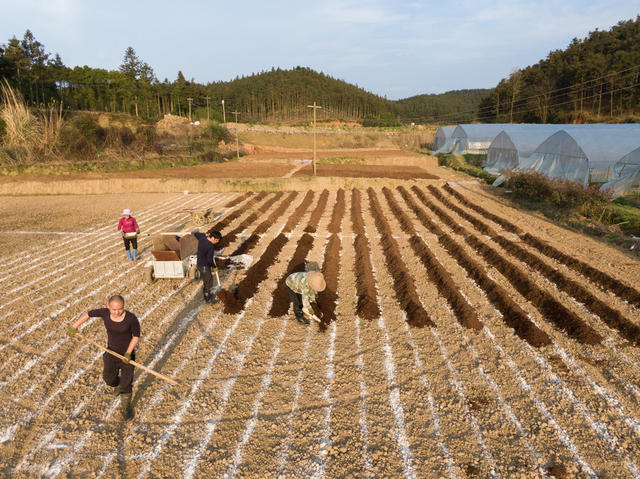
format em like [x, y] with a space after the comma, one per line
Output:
[475, 139]
[626, 175]
[584, 153]
[442, 135]
[515, 143]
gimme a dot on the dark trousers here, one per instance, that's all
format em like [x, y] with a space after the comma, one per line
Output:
[114, 367]
[296, 299]
[133, 241]
[207, 280]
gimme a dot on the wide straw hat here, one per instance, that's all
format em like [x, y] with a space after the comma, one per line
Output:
[316, 280]
[126, 211]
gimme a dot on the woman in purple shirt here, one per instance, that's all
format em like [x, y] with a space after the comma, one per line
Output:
[123, 334]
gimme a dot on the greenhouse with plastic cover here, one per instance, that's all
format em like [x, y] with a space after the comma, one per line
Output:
[584, 153]
[442, 135]
[473, 139]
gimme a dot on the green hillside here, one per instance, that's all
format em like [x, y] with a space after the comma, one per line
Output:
[278, 95]
[458, 106]
[594, 79]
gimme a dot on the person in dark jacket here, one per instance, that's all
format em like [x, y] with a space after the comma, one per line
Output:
[123, 334]
[206, 262]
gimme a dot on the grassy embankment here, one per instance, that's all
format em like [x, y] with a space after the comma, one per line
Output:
[587, 210]
[48, 141]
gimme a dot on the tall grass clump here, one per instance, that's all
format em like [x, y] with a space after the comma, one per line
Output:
[27, 136]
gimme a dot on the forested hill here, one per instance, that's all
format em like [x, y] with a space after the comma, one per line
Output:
[285, 95]
[280, 96]
[456, 106]
[594, 79]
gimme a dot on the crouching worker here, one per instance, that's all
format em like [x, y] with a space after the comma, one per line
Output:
[303, 289]
[206, 262]
[123, 334]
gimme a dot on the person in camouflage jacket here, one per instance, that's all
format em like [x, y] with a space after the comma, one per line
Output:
[303, 288]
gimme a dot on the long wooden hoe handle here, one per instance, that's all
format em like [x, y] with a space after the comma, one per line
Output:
[138, 365]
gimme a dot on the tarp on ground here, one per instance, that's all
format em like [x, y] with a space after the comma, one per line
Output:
[442, 136]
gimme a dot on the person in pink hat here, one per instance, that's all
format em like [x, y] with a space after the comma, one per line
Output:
[130, 231]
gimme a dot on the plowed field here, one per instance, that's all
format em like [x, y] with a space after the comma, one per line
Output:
[459, 338]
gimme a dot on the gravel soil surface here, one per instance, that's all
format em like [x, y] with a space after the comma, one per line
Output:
[468, 391]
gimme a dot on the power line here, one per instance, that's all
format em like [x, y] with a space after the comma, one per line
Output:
[521, 100]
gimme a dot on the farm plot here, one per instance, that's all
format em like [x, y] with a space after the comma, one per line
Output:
[458, 339]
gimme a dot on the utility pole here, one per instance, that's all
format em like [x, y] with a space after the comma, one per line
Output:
[190, 100]
[207, 98]
[224, 117]
[236, 113]
[315, 108]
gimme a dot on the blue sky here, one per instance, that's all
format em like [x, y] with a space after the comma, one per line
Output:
[393, 48]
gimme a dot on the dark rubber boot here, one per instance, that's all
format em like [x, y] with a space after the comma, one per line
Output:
[125, 406]
[302, 320]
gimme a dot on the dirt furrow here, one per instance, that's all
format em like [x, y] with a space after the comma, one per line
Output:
[506, 224]
[554, 311]
[236, 213]
[281, 300]
[404, 285]
[317, 212]
[247, 245]
[441, 277]
[367, 306]
[232, 235]
[328, 299]
[234, 301]
[601, 278]
[512, 314]
[338, 213]
[239, 199]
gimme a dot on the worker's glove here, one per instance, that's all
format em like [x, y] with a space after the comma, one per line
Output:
[71, 331]
[214, 270]
[127, 358]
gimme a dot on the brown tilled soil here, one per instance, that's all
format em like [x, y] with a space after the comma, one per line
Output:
[460, 338]
[368, 171]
